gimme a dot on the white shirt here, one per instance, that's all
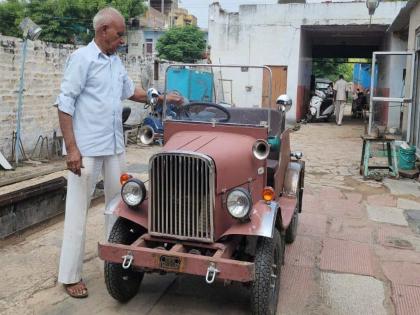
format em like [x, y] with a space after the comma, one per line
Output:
[340, 87]
[92, 89]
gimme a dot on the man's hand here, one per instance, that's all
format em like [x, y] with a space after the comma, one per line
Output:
[74, 161]
[173, 98]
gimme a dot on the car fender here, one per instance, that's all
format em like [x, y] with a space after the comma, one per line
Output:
[137, 215]
[261, 223]
[294, 174]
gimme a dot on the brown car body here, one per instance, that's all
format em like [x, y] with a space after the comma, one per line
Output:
[207, 160]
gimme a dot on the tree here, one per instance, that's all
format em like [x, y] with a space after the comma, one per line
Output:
[62, 21]
[183, 44]
[331, 68]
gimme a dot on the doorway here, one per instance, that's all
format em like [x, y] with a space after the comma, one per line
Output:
[279, 84]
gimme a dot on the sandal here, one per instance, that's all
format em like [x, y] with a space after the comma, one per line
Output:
[77, 290]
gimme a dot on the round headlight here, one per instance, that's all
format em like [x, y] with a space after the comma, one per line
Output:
[133, 192]
[239, 203]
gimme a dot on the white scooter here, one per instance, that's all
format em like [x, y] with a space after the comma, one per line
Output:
[321, 107]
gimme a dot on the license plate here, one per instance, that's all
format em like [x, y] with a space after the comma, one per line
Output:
[170, 262]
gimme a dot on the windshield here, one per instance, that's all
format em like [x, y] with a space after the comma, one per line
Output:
[322, 86]
[221, 94]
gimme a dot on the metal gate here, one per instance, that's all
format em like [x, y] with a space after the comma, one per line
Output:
[412, 123]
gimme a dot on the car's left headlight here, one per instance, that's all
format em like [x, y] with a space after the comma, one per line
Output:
[239, 203]
[133, 192]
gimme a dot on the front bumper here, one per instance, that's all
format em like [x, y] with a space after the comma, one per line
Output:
[177, 260]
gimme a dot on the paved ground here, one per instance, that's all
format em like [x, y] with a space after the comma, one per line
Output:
[357, 252]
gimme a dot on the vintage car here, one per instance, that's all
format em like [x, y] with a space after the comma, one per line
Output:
[224, 195]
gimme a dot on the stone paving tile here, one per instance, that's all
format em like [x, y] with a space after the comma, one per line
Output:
[343, 208]
[302, 252]
[354, 197]
[311, 203]
[389, 254]
[382, 200]
[407, 204]
[387, 215]
[296, 288]
[402, 273]
[312, 224]
[406, 299]
[403, 187]
[397, 237]
[351, 230]
[331, 193]
[353, 294]
[347, 257]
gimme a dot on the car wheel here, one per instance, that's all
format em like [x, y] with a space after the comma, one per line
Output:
[268, 262]
[123, 284]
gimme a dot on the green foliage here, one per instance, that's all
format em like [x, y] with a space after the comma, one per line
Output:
[183, 44]
[62, 21]
[331, 68]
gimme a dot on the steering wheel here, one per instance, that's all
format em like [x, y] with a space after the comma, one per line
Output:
[195, 110]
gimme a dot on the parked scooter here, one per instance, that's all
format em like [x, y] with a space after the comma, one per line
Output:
[321, 107]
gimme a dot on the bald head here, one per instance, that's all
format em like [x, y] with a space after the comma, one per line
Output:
[109, 27]
[107, 16]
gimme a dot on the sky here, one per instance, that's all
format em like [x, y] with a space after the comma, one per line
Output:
[199, 8]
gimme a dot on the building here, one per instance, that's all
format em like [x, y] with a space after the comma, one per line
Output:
[287, 36]
[161, 16]
[406, 28]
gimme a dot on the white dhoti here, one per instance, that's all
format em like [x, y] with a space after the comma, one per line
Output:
[79, 193]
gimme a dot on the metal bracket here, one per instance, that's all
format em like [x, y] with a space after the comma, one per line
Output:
[212, 271]
[128, 259]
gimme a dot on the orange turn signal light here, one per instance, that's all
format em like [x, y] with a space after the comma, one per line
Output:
[124, 178]
[268, 193]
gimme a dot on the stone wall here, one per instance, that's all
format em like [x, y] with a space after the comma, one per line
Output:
[43, 72]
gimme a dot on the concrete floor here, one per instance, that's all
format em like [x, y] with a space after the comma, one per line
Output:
[357, 250]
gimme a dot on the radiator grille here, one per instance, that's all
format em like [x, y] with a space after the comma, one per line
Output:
[181, 198]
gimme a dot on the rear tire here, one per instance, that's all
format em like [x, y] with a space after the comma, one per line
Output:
[266, 286]
[123, 284]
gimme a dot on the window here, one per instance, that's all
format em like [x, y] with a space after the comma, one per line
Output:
[149, 46]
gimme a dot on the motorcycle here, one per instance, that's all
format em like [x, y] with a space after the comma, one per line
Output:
[359, 105]
[152, 126]
[321, 107]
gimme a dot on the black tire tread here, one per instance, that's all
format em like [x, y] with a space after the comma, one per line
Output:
[260, 289]
[121, 234]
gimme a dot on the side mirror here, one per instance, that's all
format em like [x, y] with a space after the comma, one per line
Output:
[152, 96]
[284, 103]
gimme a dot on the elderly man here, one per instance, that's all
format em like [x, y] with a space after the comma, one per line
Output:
[89, 110]
[340, 96]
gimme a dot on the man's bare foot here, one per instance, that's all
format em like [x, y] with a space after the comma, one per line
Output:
[77, 290]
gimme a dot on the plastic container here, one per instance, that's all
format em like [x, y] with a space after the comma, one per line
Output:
[407, 157]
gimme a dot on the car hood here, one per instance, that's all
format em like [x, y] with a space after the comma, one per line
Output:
[231, 153]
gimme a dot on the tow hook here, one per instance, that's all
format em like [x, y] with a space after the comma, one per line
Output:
[127, 260]
[212, 271]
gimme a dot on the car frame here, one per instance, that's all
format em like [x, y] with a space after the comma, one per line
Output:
[188, 221]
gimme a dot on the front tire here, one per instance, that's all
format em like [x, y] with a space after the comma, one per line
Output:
[123, 284]
[266, 286]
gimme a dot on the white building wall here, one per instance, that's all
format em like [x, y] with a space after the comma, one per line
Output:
[270, 34]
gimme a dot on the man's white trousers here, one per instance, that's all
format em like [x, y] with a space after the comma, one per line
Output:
[339, 111]
[79, 193]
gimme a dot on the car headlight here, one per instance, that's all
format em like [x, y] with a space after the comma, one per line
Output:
[239, 203]
[133, 192]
